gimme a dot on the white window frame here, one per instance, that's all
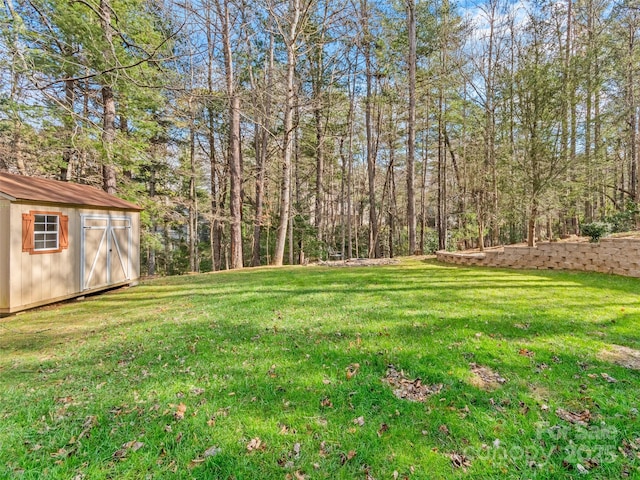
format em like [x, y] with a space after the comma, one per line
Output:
[46, 235]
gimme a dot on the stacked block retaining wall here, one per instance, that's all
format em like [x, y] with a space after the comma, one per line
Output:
[619, 256]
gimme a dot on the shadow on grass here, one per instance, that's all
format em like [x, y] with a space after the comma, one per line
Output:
[272, 346]
[489, 301]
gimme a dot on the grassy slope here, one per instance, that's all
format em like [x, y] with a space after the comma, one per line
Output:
[269, 345]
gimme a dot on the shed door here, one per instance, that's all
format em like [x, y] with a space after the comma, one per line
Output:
[105, 250]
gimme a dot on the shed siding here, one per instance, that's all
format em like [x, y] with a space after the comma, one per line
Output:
[5, 273]
[37, 279]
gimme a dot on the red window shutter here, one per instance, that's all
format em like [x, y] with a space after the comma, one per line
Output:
[27, 232]
[64, 231]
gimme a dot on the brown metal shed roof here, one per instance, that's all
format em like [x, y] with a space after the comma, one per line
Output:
[34, 189]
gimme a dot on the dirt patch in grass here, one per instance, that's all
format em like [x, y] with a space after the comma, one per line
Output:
[539, 393]
[623, 356]
[413, 390]
[485, 378]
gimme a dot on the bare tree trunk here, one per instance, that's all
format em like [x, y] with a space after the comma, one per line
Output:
[108, 139]
[234, 154]
[411, 126]
[216, 180]
[588, 206]
[291, 247]
[343, 180]
[235, 173]
[261, 158]
[490, 167]
[295, 10]
[15, 149]
[216, 225]
[66, 169]
[442, 177]
[193, 204]
[151, 256]
[317, 114]
[108, 104]
[371, 158]
[632, 117]
[533, 215]
[423, 185]
[351, 87]
[262, 140]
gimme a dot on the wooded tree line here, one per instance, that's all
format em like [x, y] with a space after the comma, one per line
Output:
[276, 131]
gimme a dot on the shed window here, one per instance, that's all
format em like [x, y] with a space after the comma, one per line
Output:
[45, 228]
[44, 232]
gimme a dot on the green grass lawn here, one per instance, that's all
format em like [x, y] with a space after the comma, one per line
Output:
[278, 373]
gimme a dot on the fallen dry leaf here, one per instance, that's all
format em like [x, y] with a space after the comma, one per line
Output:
[383, 428]
[345, 458]
[444, 429]
[326, 402]
[323, 449]
[630, 448]
[352, 370]
[133, 445]
[197, 391]
[367, 472]
[212, 451]
[581, 470]
[285, 430]
[209, 452]
[525, 353]
[591, 463]
[412, 390]
[195, 462]
[181, 409]
[581, 418]
[89, 422]
[359, 421]
[61, 453]
[608, 378]
[255, 444]
[458, 460]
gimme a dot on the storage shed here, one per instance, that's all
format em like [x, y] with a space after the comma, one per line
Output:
[61, 240]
